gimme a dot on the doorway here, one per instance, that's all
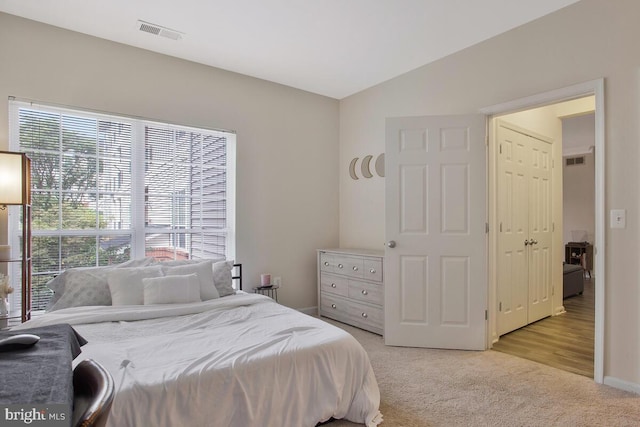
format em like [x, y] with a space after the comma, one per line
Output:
[557, 107]
[566, 342]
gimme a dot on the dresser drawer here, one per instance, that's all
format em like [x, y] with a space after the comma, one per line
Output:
[331, 283]
[327, 262]
[367, 292]
[373, 269]
[335, 308]
[351, 266]
[341, 264]
[366, 315]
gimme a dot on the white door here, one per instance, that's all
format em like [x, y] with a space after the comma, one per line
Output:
[513, 229]
[540, 230]
[525, 227]
[436, 259]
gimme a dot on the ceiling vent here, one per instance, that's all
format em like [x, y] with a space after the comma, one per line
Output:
[159, 30]
[575, 161]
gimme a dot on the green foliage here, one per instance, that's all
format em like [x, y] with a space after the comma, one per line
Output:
[64, 196]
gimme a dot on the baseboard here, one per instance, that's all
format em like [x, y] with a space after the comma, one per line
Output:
[311, 311]
[622, 384]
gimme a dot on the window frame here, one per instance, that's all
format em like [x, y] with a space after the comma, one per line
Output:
[138, 229]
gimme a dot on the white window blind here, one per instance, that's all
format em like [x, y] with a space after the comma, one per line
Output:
[107, 188]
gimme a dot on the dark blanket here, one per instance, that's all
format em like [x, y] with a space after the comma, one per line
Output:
[41, 373]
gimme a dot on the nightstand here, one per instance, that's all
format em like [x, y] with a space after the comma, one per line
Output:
[270, 291]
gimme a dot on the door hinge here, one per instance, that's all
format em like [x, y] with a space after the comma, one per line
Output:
[501, 227]
[553, 226]
[500, 306]
[486, 227]
[500, 148]
[486, 315]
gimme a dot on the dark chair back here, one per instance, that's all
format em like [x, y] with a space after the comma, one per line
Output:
[93, 391]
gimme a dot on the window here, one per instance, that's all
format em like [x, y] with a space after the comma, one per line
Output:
[108, 188]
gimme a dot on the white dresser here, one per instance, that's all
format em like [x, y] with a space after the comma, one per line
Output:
[351, 287]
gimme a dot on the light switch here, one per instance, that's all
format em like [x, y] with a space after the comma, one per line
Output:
[618, 218]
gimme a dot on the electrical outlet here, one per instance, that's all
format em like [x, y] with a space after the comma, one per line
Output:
[277, 281]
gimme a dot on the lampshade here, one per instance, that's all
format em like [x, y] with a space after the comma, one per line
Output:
[15, 176]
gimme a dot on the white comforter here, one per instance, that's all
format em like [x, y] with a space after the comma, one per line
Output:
[241, 361]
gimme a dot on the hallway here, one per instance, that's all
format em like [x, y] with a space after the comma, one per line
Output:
[565, 341]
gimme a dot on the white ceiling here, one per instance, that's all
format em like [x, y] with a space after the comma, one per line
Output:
[330, 47]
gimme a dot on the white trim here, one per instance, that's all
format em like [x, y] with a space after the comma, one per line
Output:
[599, 244]
[552, 97]
[622, 384]
[577, 151]
[230, 244]
[138, 240]
[34, 104]
[596, 88]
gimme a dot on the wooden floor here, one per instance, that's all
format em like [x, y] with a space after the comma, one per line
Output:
[564, 341]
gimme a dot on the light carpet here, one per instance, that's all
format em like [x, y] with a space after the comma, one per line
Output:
[426, 387]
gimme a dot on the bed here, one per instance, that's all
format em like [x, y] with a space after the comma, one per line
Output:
[235, 360]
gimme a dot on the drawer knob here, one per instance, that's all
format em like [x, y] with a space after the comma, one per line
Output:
[326, 263]
[333, 306]
[340, 265]
[355, 268]
[364, 315]
[333, 285]
[364, 292]
[372, 271]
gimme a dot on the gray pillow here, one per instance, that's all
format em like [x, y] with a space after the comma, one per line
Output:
[87, 285]
[222, 278]
[84, 287]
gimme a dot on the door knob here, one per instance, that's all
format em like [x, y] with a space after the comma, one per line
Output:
[534, 242]
[391, 244]
[527, 242]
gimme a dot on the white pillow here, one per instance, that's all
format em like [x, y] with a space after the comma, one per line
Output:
[171, 289]
[126, 285]
[204, 271]
[222, 278]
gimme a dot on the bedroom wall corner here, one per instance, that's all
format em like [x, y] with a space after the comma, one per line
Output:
[287, 139]
[585, 41]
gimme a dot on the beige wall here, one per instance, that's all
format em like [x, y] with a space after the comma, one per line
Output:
[287, 139]
[579, 180]
[588, 40]
[579, 198]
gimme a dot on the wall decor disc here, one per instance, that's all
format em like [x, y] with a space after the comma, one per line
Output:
[380, 165]
[352, 168]
[364, 167]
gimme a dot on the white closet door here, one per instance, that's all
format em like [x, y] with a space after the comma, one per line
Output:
[513, 220]
[540, 229]
[525, 221]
